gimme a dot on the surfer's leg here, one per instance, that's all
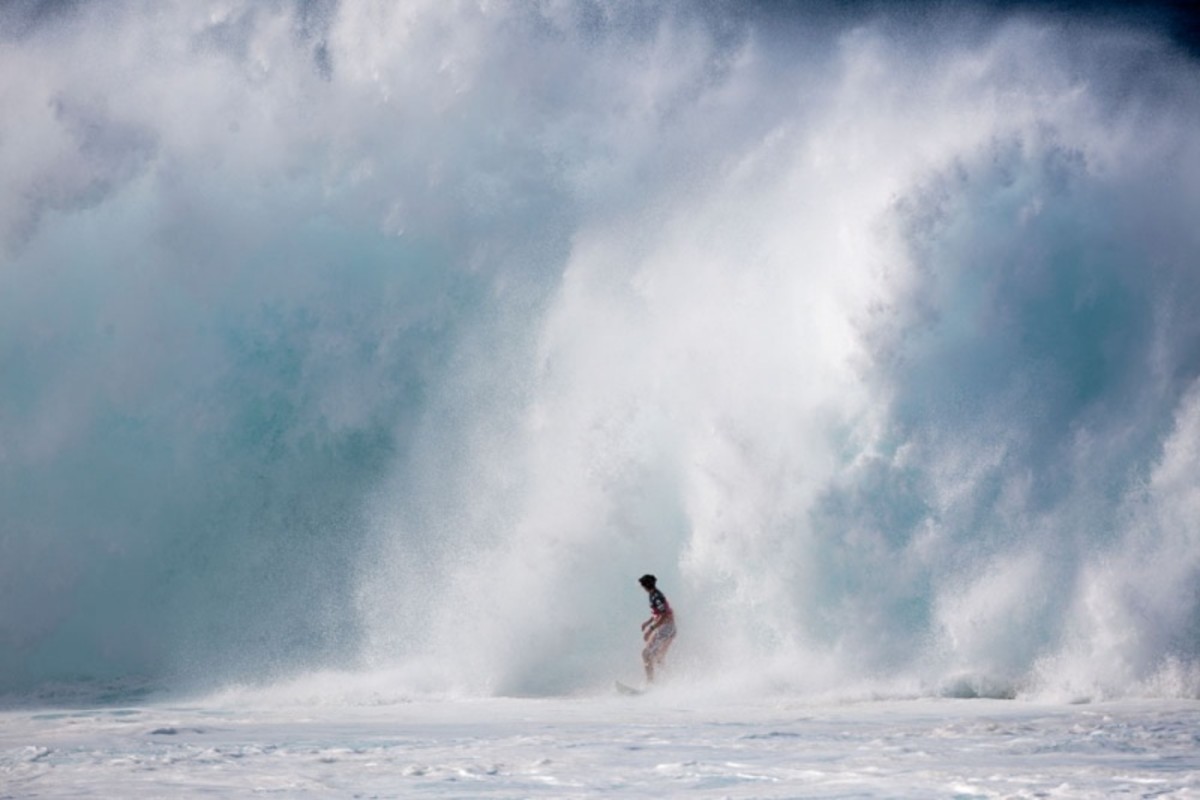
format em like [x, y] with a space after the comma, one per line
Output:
[656, 651]
[661, 652]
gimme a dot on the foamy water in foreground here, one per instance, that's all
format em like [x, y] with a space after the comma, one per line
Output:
[655, 745]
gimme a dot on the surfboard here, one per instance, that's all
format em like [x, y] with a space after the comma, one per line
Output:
[626, 689]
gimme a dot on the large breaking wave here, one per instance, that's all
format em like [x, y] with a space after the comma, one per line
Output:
[400, 339]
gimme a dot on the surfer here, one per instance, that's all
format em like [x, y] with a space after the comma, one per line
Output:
[659, 631]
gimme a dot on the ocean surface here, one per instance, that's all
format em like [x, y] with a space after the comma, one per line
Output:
[683, 745]
[356, 358]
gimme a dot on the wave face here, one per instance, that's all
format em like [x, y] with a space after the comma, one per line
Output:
[401, 338]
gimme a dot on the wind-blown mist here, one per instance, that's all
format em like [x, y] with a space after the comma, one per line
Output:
[403, 338]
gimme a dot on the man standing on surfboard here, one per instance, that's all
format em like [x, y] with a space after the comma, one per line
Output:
[659, 631]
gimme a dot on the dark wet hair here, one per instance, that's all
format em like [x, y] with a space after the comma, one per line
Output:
[648, 581]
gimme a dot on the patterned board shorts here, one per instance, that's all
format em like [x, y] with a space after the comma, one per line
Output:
[661, 638]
